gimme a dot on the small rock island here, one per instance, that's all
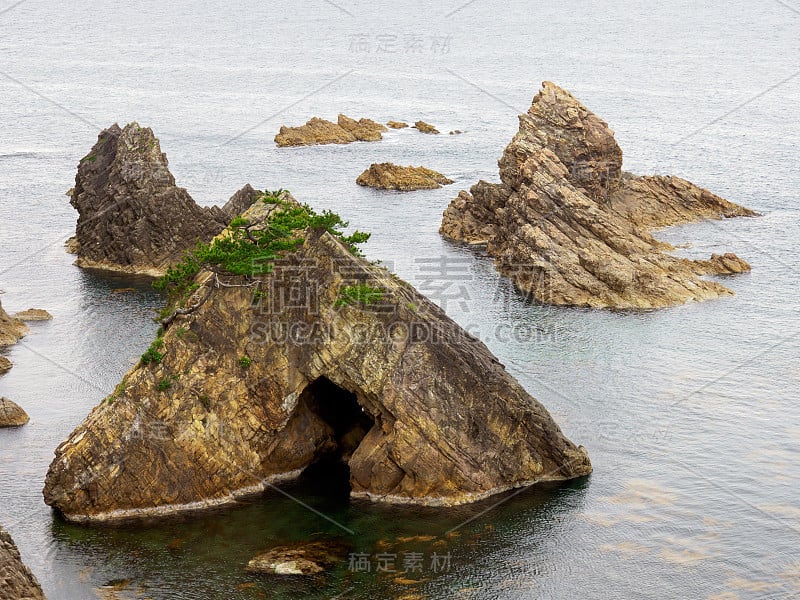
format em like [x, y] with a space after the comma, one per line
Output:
[281, 348]
[569, 227]
[388, 176]
[319, 131]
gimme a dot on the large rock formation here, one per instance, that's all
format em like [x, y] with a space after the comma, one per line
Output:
[319, 131]
[133, 218]
[571, 228]
[389, 176]
[11, 328]
[325, 358]
[16, 580]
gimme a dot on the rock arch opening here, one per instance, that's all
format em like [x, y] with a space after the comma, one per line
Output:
[329, 473]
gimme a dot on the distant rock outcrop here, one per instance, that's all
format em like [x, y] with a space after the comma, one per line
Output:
[133, 218]
[396, 125]
[11, 414]
[33, 314]
[16, 580]
[323, 358]
[11, 328]
[319, 131]
[389, 176]
[571, 228]
[5, 365]
[424, 127]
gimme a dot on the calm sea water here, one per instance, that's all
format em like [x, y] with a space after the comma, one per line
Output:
[690, 414]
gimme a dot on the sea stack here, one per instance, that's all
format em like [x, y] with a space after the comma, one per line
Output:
[132, 217]
[316, 356]
[571, 228]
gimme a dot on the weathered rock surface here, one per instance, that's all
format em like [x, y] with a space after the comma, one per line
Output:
[240, 202]
[11, 414]
[33, 314]
[396, 125]
[5, 365]
[571, 228]
[248, 393]
[11, 329]
[389, 176]
[133, 218]
[319, 131]
[424, 127]
[16, 580]
[299, 559]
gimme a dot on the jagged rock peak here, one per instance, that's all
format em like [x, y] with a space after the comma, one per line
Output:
[571, 228]
[132, 216]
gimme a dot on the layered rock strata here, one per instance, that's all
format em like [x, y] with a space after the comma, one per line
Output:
[570, 227]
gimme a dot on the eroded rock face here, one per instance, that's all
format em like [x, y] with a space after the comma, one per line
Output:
[16, 580]
[133, 218]
[11, 328]
[571, 228]
[319, 131]
[11, 414]
[246, 394]
[389, 176]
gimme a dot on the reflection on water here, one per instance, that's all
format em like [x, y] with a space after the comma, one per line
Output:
[421, 550]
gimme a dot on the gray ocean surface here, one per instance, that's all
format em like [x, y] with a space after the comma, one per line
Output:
[690, 414]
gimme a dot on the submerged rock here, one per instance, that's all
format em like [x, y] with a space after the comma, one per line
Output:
[11, 414]
[396, 125]
[133, 218]
[325, 358]
[424, 127]
[389, 176]
[33, 314]
[299, 559]
[16, 580]
[319, 131]
[11, 328]
[571, 228]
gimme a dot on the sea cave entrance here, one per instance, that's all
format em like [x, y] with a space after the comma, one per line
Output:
[329, 474]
